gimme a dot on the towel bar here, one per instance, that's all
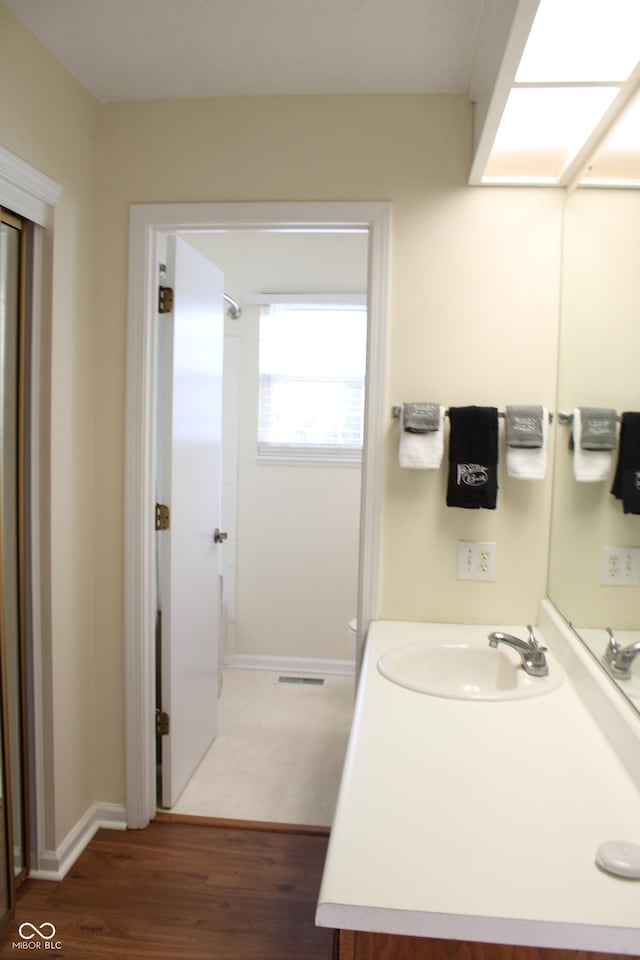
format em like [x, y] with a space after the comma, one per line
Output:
[396, 413]
[563, 417]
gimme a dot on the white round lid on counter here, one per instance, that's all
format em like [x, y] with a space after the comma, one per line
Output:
[620, 857]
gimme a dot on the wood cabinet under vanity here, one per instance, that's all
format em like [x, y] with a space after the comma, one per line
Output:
[357, 945]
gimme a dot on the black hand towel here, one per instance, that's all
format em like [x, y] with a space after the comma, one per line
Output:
[473, 458]
[626, 481]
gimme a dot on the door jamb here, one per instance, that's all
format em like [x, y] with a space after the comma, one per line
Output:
[146, 222]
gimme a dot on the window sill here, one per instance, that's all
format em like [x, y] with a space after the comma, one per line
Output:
[307, 460]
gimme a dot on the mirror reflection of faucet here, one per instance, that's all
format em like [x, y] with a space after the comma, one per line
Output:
[531, 652]
[618, 659]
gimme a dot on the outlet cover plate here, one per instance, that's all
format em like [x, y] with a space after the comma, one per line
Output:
[620, 566]
[476, 560]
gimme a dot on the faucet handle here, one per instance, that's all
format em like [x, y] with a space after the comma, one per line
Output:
[534, 641]
[613, 646]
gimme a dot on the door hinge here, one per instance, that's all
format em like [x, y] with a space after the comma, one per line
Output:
[162, 723]
[165, 299]
[162, 516]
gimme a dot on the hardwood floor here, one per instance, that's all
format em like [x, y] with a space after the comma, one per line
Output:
[183, 891]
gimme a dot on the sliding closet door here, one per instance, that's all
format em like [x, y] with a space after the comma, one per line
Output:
[14, 853]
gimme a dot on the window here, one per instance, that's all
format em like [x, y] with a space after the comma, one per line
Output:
[312, 370]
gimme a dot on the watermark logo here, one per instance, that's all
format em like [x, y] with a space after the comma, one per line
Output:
[33, 937]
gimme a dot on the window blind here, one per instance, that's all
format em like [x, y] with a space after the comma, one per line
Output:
[312, 362]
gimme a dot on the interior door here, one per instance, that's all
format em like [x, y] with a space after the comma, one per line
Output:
[189, 559]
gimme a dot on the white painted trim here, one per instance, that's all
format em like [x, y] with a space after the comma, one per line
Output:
[139, 571]
[35, 695]
[488, 123]
[55, 864]
[26, 190]
[304, 665]
[146, 222]
[375, 420]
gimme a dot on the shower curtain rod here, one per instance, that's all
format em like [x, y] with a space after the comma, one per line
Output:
[234, 310]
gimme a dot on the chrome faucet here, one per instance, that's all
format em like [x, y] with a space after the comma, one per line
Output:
[531, 652]
[618, 659]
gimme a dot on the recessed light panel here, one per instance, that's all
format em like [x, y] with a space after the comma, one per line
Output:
[582, 41]
[542, 129]
[616, 162]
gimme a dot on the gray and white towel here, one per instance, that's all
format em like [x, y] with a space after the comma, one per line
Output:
[526, 434]
[421, 436]
[524, 425]
[421, 417]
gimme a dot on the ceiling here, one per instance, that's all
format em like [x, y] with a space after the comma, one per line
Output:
[167, 49]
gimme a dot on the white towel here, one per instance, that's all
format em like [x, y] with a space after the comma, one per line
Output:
[589, 466]
[421, 451]
[529, 463]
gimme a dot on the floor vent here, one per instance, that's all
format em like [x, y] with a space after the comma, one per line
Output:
[309, 681]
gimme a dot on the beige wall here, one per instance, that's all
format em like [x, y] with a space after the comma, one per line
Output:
[473, 320]
[474, 305]
[48, 120]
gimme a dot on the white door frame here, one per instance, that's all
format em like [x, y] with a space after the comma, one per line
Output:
[146, 222]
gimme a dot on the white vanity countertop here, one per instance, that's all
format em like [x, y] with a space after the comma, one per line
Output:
[477, 820]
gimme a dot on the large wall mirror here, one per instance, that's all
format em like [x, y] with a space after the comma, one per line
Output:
[598, 366]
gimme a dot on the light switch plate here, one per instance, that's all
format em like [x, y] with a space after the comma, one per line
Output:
[476, 560]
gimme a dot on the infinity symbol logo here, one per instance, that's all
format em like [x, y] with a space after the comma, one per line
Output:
[37, 931]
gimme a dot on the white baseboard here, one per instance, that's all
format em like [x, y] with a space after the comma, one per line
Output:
[254, 661]
[54, 864]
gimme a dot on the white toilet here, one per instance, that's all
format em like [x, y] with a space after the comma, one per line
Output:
[352, 634]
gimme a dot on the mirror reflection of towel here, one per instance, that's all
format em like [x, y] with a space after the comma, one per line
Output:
[473, 458]
[599, 428]
[626, 481]
[589, 465]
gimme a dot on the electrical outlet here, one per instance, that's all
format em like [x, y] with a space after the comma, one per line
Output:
[620, 566]
[476, 560]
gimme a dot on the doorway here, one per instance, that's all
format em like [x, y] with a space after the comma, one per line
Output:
[147, 222]
[294, 379]
[294, 376]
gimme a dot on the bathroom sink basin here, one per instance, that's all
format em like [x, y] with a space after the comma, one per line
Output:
[464, 671]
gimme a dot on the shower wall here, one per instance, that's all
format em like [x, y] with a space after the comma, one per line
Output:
[291, 560]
